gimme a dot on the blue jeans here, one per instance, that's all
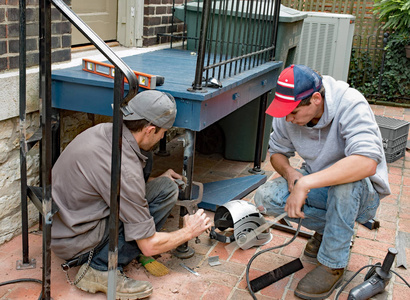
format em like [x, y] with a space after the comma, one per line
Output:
[331, 211]
[161, 194]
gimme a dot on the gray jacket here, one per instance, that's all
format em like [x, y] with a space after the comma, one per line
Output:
[347, 127]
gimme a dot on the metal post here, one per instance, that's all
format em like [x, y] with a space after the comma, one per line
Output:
[23, 144]
[224, 7]
[256, 41]
[210, 38]
[218, 38]
[55, 128]
[235, 39]
[184, 251]
[201, 48]
[115, 184]
[228, 42]
[25, 263]
[259, 136]
[245, 39]
[275, 28]
[46, 153]
[163, 147]
[241, 38]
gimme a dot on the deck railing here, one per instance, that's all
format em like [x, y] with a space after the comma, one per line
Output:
[228, 36]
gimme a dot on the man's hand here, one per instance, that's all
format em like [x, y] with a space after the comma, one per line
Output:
[197, 223]
[296, 200]
[161, 242]
[171, 174]
[291, 178]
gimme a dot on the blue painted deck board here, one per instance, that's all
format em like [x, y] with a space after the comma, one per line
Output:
[71, 87]
[219, 192]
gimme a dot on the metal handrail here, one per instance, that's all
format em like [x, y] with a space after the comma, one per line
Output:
[101, 46]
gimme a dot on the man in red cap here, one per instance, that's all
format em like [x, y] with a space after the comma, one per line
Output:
[344, 174]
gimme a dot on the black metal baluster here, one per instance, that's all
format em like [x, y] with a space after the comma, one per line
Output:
[23, 144]
[201, 47]
[115, 184]
[46, 145]
[235, 41]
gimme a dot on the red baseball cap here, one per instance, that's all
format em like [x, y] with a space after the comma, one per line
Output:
[295, 83]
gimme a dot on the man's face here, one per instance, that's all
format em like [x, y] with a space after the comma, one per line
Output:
[302, 115]
[153, 138]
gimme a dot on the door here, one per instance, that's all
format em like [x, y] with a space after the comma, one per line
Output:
[100, 15]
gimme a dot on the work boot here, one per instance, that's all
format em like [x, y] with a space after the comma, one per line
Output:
[97, 281]
[319, 283]
[313, 245]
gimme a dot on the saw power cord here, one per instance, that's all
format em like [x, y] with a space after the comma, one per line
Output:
[266, 250]
[290, 241]
[23, 280]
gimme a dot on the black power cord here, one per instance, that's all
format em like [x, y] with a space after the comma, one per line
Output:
[291, 240]
[23, 280]
[266, 250]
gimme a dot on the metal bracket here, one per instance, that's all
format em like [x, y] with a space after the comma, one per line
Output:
[214, 261]
[22, 266]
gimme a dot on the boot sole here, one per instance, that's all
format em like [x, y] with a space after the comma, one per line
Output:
[314, 255]
[319, 296]
[95, 288]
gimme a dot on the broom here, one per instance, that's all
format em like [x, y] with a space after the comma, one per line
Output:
[152, 266]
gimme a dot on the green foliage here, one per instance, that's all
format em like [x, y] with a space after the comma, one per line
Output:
[395, 14]
[361, 69]
[396, 75]
[394, 80]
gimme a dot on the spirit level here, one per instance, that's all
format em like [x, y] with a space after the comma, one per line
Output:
[146, 81]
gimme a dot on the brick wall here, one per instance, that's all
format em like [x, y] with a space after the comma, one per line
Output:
[9, 34]
[158, 19]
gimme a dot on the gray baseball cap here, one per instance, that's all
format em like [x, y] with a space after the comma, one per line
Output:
[156, 107]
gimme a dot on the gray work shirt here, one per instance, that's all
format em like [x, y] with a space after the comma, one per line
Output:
[81, 180]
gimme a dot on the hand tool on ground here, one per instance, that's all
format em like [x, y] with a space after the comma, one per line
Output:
[376, 279]
[189, 269]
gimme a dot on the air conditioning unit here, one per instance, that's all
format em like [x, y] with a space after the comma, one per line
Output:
[326, 43]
